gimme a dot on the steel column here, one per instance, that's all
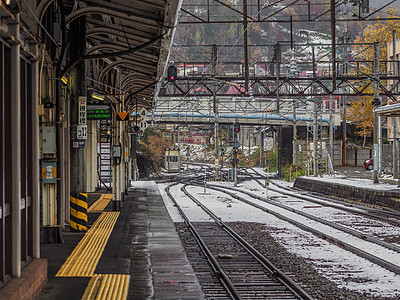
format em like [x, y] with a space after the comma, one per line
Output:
[395, 133]
[16, 150]
[375, 114]
[78, 156]
[35, 156]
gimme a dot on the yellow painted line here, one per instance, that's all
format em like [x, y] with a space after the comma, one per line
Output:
[83, 260]
[101, 203]
[107, 287]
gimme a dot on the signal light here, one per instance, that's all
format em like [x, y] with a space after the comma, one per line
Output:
[236, 127]
[172, 72]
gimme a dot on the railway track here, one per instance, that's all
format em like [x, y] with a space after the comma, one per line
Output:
[243, 272]
[379, 213]
[357, 243]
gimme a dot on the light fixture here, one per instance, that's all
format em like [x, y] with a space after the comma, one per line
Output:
[8, 2]
[64, 79]
[98, 97]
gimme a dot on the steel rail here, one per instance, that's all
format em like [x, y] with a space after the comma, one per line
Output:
[377, 260]
[218, 271]
[320, 220]
[268, 265]
[370, 210]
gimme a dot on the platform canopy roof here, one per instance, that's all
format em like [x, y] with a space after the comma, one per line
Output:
[130, 36]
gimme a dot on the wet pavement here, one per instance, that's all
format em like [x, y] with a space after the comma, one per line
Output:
[144, 243]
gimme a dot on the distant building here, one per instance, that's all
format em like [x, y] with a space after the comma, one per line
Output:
[390, 70]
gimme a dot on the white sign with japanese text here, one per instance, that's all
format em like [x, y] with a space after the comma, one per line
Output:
[82, 110]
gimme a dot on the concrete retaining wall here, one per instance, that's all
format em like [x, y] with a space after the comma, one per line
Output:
[389, 198]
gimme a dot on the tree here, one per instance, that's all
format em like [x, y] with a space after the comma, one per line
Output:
[380, 32]
[153, 145]
[360, 114]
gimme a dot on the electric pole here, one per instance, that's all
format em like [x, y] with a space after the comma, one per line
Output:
[246, 50]
[395, 134]
[216, 118]
[375, 114]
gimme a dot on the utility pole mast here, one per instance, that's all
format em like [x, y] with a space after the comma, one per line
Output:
[216, 117]
[333, 37]
[395, 133]
[278, 73]
[246, 50]
[331, 124]
[375, 114]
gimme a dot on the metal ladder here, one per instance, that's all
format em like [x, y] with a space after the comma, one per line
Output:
[104, 154]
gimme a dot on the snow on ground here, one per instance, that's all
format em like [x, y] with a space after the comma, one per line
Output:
[346, 269]
[356, 182]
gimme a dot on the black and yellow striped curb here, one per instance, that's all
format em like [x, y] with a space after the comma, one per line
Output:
[78, 207]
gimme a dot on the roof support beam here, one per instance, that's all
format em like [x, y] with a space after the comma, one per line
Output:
[105, 55]
[99, 10]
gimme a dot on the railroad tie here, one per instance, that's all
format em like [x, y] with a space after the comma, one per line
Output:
[107, 286]
[78, 211]
[84, 258]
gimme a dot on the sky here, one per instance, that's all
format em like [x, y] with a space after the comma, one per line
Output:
[328, 259]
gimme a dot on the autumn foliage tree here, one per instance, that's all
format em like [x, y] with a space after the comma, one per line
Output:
[381, 32]
[153, 145]
[360, 114]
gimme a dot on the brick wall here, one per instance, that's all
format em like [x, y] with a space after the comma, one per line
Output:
[32, 281]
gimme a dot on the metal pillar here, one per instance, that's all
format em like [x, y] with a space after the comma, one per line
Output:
[116, 185]
[16, 150]
[333, 37]
[245, 46]
[294, 133]
[216, 117]
[395, 133]
[78, 88]
[375, 115]
[35, 156]
[331, 129]
[317, 136]
[278, 74]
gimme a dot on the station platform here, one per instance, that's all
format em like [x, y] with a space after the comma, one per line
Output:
[355, 185]
[132, 254]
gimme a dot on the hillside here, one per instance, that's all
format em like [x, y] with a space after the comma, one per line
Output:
[261, 36]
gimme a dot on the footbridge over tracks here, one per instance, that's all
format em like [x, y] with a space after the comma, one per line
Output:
[245, 110]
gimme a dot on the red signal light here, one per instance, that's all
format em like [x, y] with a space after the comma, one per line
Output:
[172, 77]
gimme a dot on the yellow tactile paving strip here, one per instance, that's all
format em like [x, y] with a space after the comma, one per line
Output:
[83, 260]
[107, 286]
[101, 203]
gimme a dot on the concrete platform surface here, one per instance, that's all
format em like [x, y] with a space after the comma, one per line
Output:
[143, 243]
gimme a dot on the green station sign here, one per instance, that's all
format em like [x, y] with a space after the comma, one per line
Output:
[98, 112]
